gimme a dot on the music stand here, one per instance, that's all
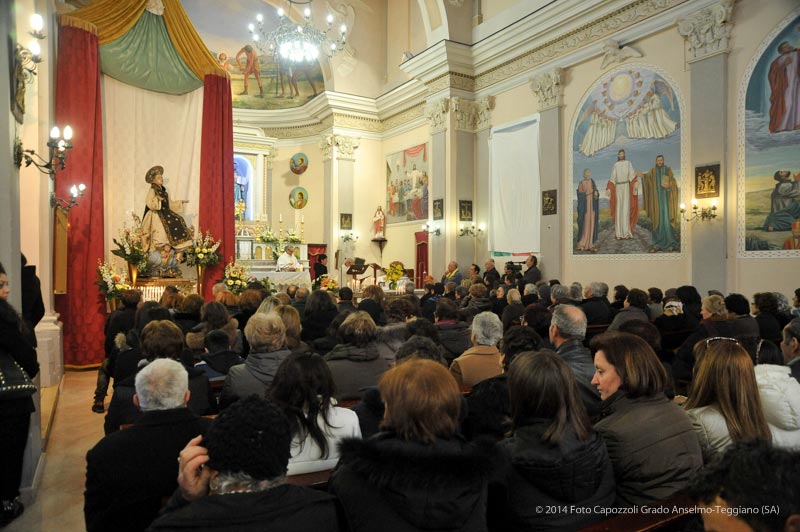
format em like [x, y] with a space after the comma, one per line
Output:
[355, 270]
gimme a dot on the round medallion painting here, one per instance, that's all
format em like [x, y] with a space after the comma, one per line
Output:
[298, 198]
[298, 163]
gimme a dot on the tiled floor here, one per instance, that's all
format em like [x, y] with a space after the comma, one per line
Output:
[59, 502]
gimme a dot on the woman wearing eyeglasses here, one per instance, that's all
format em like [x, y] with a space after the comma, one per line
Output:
[724, 402]
[650, 440]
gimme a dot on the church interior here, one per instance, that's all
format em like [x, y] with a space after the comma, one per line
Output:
[633, 142]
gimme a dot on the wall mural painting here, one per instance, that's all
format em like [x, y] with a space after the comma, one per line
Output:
[244, 185]
[626, 166]
[407, 185]
[258, 81]
[769, 209]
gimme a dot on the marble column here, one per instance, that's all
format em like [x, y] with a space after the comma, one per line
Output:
[707, 33]
[438, 114]
[338, 160]
[548, 90]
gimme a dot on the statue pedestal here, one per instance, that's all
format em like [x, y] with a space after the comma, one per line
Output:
[381, 241]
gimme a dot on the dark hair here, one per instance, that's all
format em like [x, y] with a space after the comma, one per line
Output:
[422, 399]
[150, 311]
[438, 288]
[620, 292]
[215, 315]
[251, 436]
[477, 268]
[637, 365]
[161, 339]
[690, 297]
[217, 340]
[761, 351]
[303, 387]
[429, 287]
[346, 293]
[446, 309]
[518, 339]
[542, 385]
[637, 298]
[461, 292]
[319, 302]
[191, 304]
[422, 327]
[737, 304]
[2, 270]
[399, 309]
[337, 320]
[422, 347]
[534, 260]
[766, 302]
[554, 282]
[745, 465]
[644, 330]
[797, 293]
[656, 295]
[321, 257]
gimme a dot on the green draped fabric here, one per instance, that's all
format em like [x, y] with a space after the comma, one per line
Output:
[146, 58]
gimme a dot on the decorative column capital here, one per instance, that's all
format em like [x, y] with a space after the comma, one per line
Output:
[471, 115]
[547, 88]
[346, 146]
[708, 31]
[326, 146]
[269, 154]
[436, 113]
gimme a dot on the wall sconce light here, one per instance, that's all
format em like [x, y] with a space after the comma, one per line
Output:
[471, 230]
[432, 229]
[351, 236]
[58, 145]
[703, 213]
[28, 59]
[75, 192]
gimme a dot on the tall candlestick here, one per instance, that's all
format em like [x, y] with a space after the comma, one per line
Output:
[280, 217]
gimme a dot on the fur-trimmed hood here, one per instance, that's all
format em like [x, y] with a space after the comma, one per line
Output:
[433, 487]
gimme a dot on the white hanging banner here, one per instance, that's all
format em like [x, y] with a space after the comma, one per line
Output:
[514, 187]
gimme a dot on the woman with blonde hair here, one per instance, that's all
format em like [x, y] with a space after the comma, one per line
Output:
[418, 474]
[724, 402]
[715, 323]
[294, 329]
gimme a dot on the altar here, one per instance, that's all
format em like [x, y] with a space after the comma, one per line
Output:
[279, 280]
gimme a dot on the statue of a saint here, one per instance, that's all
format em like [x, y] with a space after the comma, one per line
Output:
[161, 223]
[379, 224]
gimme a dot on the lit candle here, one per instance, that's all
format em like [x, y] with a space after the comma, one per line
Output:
[714, 203]
[280, 217]
[694, 202]
[683, 206]
[302, 218]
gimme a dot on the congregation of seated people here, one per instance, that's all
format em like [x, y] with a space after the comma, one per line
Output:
[495, 401]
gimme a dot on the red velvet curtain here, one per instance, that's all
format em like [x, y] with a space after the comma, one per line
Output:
[421, 264]
[78, 103]
[314, 250]
[216, 173]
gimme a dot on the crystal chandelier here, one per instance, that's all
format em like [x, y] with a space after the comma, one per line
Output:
[297, 42]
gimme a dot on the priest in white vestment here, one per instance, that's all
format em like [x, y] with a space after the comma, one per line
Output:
[287, 262]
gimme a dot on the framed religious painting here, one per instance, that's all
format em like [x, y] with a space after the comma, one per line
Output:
[549, 202]
[298, 198]
[345, 221]
[438, 209]
[706, 181]
[407, 183]
[298, 164]
[464, 210]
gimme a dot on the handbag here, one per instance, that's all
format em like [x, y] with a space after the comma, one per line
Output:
[14, 382]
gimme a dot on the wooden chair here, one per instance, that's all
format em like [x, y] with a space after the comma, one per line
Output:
[317, 480]
[659, 516]
[593, 330]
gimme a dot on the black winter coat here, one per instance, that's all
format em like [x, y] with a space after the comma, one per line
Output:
[652, 445]
[285, 508]
[119, 321]
[17, 342]
[130, 472]
[540, 475]
[316, 325]
[454, 336]
[392, 485]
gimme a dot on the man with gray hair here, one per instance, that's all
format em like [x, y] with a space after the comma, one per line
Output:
[595, 305]
[483, 359]
[530, 295]
[452, 274]
[130, 472]
[559, 295]
[567, 331]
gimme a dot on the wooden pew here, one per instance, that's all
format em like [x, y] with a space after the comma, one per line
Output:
[651, 517]
[317, 480]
